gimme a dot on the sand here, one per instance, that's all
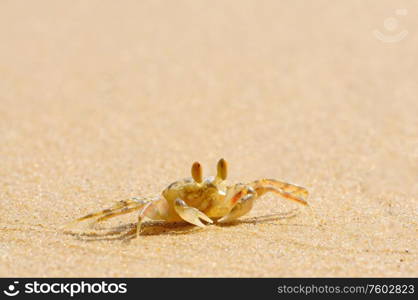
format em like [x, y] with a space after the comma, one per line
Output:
[106, 100]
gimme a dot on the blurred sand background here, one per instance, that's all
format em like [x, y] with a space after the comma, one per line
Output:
[104, 100]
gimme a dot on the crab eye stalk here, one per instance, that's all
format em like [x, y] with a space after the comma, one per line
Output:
[197, 172]
[222, 169]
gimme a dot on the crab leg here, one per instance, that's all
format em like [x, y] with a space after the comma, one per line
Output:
[190, 214]
[286, 190]
[123, 211]
[124, 205]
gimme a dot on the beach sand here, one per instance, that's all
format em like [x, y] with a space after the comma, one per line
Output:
[105, 100]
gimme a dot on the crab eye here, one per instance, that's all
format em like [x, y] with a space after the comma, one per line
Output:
[197, 172]
[222, 169]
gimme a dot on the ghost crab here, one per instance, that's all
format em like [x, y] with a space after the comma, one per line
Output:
[197, 198]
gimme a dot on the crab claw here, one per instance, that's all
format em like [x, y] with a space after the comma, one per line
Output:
[244, 202]
[190, 214]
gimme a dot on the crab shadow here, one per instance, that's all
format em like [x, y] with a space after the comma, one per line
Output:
[127, 232]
